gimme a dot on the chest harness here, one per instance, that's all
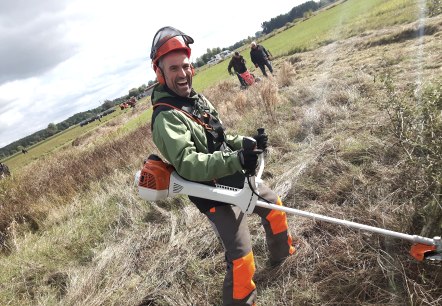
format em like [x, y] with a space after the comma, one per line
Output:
[198, 113]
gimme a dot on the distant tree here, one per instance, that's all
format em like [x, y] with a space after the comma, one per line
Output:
[199, 63]
[142, 88]
[150, 82]
[52, 129]
[296, 12]
[63, 125]
[107, 104]
[203, 59]
[133, 92]
[325, 2]
[307, 14]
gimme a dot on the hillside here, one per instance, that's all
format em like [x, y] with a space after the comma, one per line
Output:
[354, 127]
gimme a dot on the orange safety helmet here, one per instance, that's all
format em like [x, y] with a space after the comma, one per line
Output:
[166, 40]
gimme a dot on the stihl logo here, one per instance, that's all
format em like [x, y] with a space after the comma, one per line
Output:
[177, 188]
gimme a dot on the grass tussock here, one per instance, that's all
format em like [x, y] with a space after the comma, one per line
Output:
[286, 74]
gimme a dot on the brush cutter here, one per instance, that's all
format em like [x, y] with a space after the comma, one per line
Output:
[158, 180]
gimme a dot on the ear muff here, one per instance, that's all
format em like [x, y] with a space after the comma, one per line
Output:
[159, 73]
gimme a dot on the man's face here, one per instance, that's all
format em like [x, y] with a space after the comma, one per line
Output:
[178, 73]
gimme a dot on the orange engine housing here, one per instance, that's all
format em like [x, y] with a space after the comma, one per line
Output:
[155, 174]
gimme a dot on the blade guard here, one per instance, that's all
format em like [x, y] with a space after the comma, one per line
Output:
[154, 179]
[431, 252]
[420, 250]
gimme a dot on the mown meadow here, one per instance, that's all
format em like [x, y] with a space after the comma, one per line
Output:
[354, 118]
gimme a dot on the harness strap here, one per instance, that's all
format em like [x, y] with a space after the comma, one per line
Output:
[214, 133]
[196, 119]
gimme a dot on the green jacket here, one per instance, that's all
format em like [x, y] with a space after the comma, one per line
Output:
[183, 142]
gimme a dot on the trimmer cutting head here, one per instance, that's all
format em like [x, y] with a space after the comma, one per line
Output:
[427, 252]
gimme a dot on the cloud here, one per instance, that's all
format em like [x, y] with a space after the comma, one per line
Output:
[33, 39]
[6, 105]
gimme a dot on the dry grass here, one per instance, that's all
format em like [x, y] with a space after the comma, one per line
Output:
[57, 178]
[286, 74]
[331, 152]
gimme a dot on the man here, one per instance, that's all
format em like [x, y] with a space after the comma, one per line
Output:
[260, 57]
[189, 134]
[4, 170]
[238, 63]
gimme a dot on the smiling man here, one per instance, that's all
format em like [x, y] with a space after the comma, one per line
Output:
[189, 134]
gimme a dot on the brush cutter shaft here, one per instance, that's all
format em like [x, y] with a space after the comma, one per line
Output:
[413, 238]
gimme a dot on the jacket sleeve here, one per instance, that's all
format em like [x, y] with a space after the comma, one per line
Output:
[229, 68]
[252, 57]
[265, 51]
[234, 141]
[172, 135]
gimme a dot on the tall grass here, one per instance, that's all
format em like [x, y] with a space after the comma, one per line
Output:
[59, 178]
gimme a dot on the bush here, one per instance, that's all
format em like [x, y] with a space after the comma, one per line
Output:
[416, 122]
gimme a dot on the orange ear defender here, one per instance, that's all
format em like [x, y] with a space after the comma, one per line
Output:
[159, 73]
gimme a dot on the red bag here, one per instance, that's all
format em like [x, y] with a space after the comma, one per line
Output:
[248, 77]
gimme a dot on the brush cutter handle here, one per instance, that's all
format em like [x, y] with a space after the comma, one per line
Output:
[261, 131]
[248, 144]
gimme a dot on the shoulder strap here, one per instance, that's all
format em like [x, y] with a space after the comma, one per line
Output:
[184, 110]
[212, 127]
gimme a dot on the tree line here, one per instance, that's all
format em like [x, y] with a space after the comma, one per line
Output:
[301, 11]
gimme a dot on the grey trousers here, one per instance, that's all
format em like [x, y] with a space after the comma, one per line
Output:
[230, 224]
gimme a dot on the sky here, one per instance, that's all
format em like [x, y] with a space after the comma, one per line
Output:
[62, 57]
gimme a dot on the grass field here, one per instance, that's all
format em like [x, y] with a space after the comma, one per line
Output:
[352, 17]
